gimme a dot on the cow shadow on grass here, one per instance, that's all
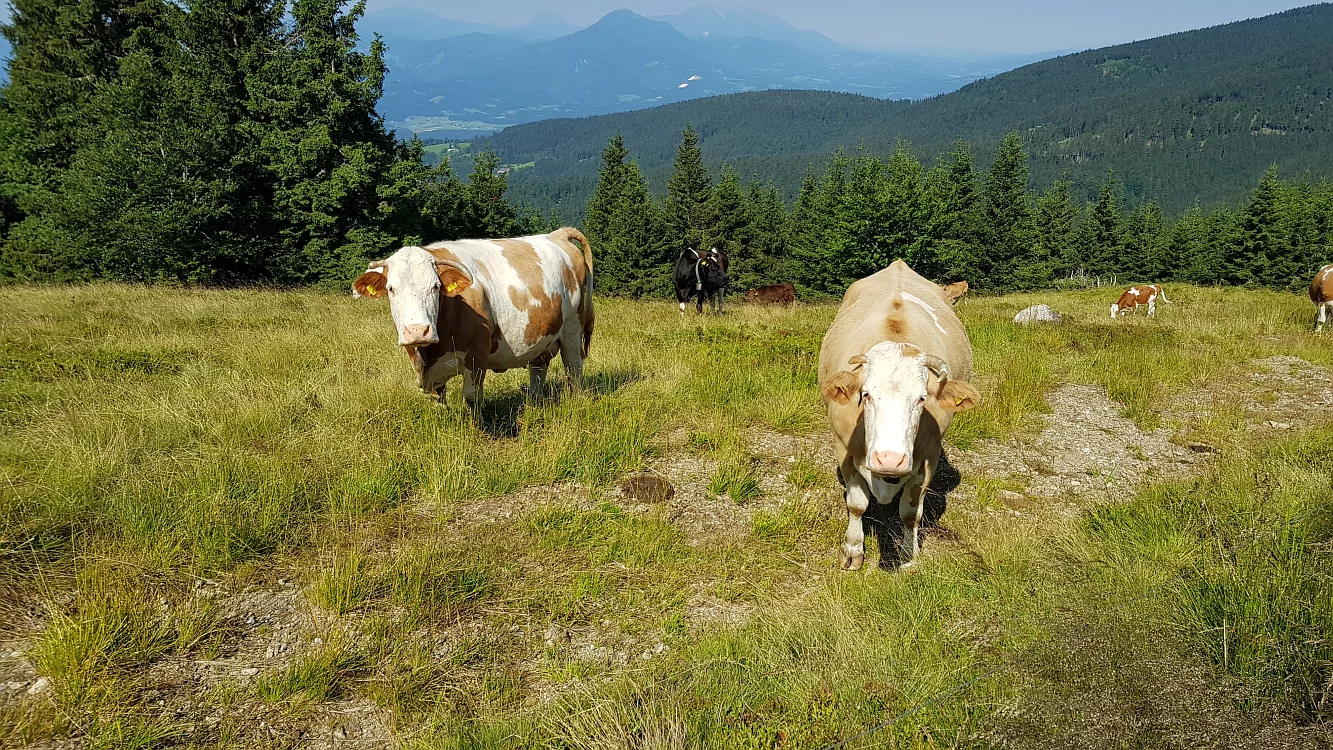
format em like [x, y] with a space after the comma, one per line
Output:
[608, 382]
[882, 520]
[499, 414]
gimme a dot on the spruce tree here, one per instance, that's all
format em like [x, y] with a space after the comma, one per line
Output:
[626, 229]
[1105, 243]
[689, 196]
[1256, 259]
[1055, 225]
[1007, 211]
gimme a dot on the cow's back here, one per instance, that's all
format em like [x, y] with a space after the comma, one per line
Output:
[1321, 287]
[895, 304]
[531, 285]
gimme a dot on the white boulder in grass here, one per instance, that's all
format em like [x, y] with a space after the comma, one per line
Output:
[1037, 314]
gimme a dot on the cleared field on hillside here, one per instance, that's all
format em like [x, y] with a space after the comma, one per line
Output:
[229, 520]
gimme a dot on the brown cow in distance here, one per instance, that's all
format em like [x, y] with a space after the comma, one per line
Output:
[774, 294]
[1321, 293]
[1137, 296]
[955, 291]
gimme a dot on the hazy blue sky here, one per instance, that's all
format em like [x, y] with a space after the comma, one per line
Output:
[1031, 26]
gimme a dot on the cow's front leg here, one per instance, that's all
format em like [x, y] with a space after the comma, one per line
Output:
[910, 507]
[852, 554]
[721, 297]
[473, 381]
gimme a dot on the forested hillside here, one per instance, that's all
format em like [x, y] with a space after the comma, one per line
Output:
[213, 142]
[1189, 117]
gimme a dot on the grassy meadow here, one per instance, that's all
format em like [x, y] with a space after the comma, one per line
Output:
[229, 520]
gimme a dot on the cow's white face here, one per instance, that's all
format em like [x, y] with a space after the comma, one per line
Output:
[412, 280]
[413, 285]
[893, 395]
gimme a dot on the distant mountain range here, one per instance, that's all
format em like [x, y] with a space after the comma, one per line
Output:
[455, 78]
[1195, 116]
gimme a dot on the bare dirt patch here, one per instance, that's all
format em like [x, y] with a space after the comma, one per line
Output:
[1281, 393]
[1086, 450]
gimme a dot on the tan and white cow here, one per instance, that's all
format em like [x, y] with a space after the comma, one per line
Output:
[955, 291]
[472, 306]
[1137, 296]
[893, 370]
[1321, 293]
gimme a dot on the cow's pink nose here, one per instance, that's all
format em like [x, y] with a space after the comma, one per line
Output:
[889, 462]
[416, 335]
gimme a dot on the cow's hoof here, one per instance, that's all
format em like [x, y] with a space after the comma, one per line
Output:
[849, 559]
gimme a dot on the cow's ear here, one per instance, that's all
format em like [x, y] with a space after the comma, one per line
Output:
[454, 282]
[842, 387]
[857, 359]
[371, 284]
[910, 351]
[957, 395]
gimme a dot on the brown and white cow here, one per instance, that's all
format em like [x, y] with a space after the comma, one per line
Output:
[1137, 296]
[955, 291]
[1321, 293]
[893, 371]
[472, 306]
[774, 294]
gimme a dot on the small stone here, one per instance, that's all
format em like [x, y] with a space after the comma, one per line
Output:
[39, 687]
[17, 685]
[659, 648]
[249, 671]
[1076, 483]
[318, 641]
[647, 488]
[16, 654]
[282, 581]
[646, 655]
[250, 620]
[1015, 500]
[270, 652]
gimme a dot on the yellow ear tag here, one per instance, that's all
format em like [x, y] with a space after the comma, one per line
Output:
[370, 290]
[958, 401]
[453, 287]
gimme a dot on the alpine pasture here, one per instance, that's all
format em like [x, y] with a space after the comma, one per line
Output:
[229, 520]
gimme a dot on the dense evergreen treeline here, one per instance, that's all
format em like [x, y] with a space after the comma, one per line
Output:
[1186, 118]
[951, 221]
[213, 141]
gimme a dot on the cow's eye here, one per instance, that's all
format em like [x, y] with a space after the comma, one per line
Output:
[391, 290]
[921, 400]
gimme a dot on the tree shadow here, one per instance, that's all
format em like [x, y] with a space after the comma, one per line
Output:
[883, 522]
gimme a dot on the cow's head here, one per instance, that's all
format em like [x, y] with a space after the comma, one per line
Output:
[892, 384]
[413, 280]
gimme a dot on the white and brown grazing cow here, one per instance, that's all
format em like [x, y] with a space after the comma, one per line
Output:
[1137, 296]
[1321, 293]
[893, 370]
[472, 306]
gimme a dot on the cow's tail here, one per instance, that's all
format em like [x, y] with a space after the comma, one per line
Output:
[1161, 292]
[586, 317]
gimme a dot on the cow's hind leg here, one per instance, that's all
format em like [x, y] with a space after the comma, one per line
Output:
[852, 554]
[1323, 316]
[571, 352]
[1152, 306]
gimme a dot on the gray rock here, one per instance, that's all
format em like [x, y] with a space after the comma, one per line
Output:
[1037, 314]
[40, 686]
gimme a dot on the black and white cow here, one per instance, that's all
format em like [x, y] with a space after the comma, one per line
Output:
[701, 274]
